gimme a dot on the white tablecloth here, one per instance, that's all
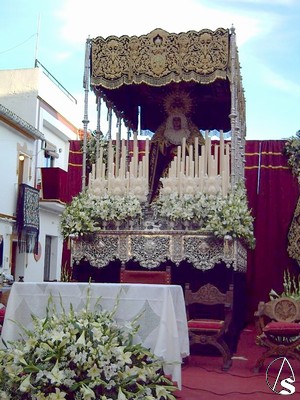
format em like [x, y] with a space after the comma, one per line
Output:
[163, 323]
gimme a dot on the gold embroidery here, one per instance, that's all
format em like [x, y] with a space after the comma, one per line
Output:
[159, 58]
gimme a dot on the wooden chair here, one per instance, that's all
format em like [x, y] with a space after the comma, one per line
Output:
[146, 276]
[278, 329]
[4, 295]
[203, 328]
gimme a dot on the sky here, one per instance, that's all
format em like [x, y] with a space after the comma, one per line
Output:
[267, 34]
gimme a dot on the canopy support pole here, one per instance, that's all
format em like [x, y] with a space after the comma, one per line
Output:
[98, 136]
[85, 121]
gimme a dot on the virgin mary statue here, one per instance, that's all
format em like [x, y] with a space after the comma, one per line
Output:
[167, 138]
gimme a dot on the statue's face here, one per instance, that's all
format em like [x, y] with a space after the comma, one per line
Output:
[177, 123]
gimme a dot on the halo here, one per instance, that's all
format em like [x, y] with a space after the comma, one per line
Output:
[177, 101]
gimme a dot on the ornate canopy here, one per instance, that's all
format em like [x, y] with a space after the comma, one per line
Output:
[199, 71]
[128, 72]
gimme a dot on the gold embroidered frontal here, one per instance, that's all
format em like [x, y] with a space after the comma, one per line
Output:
[160, 58]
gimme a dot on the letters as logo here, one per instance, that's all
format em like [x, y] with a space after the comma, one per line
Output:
[283, 386]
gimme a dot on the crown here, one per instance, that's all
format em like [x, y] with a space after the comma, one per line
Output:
[178, 101]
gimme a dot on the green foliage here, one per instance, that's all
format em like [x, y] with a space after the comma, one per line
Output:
[91, 148]
[292, 150]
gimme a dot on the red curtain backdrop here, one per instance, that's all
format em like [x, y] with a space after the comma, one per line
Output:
[74, 169]
[272, 193]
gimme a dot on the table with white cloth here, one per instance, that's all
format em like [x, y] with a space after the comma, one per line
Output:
[163, 323]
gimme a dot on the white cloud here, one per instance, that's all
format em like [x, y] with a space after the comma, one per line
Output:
[279, 82]
[135, 17]
[62, 56]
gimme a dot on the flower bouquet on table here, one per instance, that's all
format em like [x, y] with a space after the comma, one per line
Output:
[81, 356]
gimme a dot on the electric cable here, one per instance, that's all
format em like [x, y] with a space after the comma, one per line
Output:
[18, 45]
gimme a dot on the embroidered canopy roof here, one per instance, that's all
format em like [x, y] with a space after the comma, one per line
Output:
[128, 72]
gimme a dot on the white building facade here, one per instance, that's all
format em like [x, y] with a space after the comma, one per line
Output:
[36, 125]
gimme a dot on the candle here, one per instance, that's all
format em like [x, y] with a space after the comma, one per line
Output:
[196, 155]
[201, 164]
[187, 165]
[182, 167]
[180, 183]
[204, 155]
[170, 171]
[135, 155]
[191, 152]
[192, 166]
[208, 151]
[178, 159]
[183, 154]
[201, 180]
[175, 166]
[127, 181]
[109, 182]
[117, 162]
[98, 169]
[110, 156]
[191, 155]
[131, 169]
[222, 166]
[144, 166]
[209, 168]
[140, 169]
[216, 159]
[147, 159]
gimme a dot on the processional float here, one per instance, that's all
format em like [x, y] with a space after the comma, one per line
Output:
[153, 82]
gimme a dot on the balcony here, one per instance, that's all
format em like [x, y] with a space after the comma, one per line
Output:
[54, 189]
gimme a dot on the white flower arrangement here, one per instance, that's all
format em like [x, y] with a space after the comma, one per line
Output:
[81, 356]
[86, 212]
[231, 216]
[175, 207]
[220, 215]
[76, 219]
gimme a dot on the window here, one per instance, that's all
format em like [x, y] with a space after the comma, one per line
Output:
[50, 154]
